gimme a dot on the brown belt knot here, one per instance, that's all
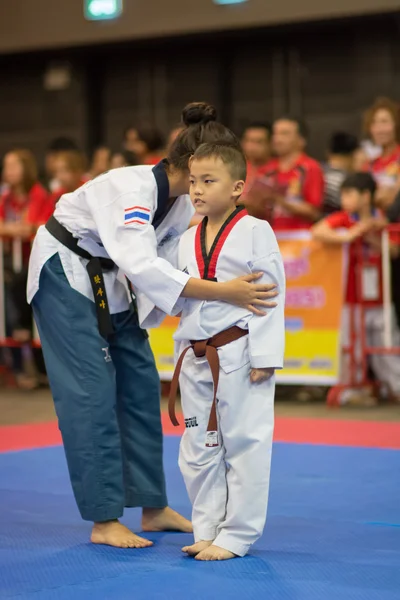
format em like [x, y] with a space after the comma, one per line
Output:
[207, 348]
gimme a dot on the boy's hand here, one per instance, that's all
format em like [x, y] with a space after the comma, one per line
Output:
[260, 375]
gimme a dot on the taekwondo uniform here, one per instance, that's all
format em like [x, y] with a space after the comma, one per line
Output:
[100, 366]
[227, 471]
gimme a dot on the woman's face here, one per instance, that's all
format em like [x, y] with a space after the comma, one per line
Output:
[101, 161]
[13, 170]
[134, 144]
[383, 128]
[118, 161]
[67, 178]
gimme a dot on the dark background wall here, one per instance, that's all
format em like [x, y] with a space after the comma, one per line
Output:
[326, 72]
[29, 24]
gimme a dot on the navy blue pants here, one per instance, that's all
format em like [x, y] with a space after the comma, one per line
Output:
[107, 399]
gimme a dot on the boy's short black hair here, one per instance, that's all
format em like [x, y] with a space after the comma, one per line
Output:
[343, 143]
[231, 156]
[362, 182]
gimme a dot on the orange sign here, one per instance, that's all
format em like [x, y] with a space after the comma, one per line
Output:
[314, 297]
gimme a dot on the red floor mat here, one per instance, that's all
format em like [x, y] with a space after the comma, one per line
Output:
[293, 430]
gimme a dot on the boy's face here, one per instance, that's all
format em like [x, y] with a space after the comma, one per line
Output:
[213, 190]
[353, 201]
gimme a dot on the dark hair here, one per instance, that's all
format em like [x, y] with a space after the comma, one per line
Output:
[129, 157]
[343, 143]
[150, 135]
[76, 161]
[362, 182]
[259, 125]
[201, 127]
[301, 125]
[231, 156]
[62, 144]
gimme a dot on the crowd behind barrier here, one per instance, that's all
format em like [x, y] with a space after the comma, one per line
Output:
[285, 186]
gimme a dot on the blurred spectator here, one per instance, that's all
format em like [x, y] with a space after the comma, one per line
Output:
[256, 144]
[69, 170]
[23, 207]
[382, 123]
[294, 181]
[356, 220]
[146, 142]
[341, 154]
[101, 161]
[124, 158]
[393, 216]
[60, 144]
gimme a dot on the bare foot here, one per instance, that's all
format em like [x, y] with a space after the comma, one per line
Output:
[215, 553]
[113, 533]
[196, 548]
[164, 519]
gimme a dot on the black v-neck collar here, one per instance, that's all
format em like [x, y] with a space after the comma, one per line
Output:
[208, 262]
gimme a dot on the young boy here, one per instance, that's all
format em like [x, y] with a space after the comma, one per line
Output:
[227, 364]
[358, 219]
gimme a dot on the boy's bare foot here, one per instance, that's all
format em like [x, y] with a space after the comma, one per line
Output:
[113, 533]
[164, 519]
[215, 553]
[196, 548]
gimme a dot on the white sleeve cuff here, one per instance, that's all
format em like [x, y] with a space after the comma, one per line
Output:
[266, 361]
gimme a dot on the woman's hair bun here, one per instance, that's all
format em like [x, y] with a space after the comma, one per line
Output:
[198, 113]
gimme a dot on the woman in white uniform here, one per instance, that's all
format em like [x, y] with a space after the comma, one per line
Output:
[107, 236]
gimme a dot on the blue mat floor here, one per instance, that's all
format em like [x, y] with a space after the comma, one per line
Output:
[333, 533]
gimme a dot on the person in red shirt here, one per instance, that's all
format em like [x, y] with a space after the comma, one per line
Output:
[23, 208]
[25, 203]
[101, 162]
[382, 124]
[256, 145]
[146, 143]
[69, 169]
[358, 219]
[294, 180]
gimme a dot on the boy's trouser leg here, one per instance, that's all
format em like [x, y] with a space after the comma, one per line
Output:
[139, 413]
[82, 381]
[203, 468]
[246, 412]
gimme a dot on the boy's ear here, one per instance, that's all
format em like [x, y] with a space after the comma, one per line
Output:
[238, 188]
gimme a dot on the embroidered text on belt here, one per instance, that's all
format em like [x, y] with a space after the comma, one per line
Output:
[207, 348]
[95, 268]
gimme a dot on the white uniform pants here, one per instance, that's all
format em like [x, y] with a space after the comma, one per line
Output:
[386, 367]
[228, 485]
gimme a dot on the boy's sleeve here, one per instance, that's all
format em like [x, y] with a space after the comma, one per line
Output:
[337, 220]
[267, 333]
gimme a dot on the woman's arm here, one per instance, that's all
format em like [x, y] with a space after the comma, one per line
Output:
[240, 292]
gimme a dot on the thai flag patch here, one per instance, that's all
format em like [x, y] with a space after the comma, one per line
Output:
[137, 214]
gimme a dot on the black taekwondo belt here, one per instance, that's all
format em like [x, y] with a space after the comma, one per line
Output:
[95, 268]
